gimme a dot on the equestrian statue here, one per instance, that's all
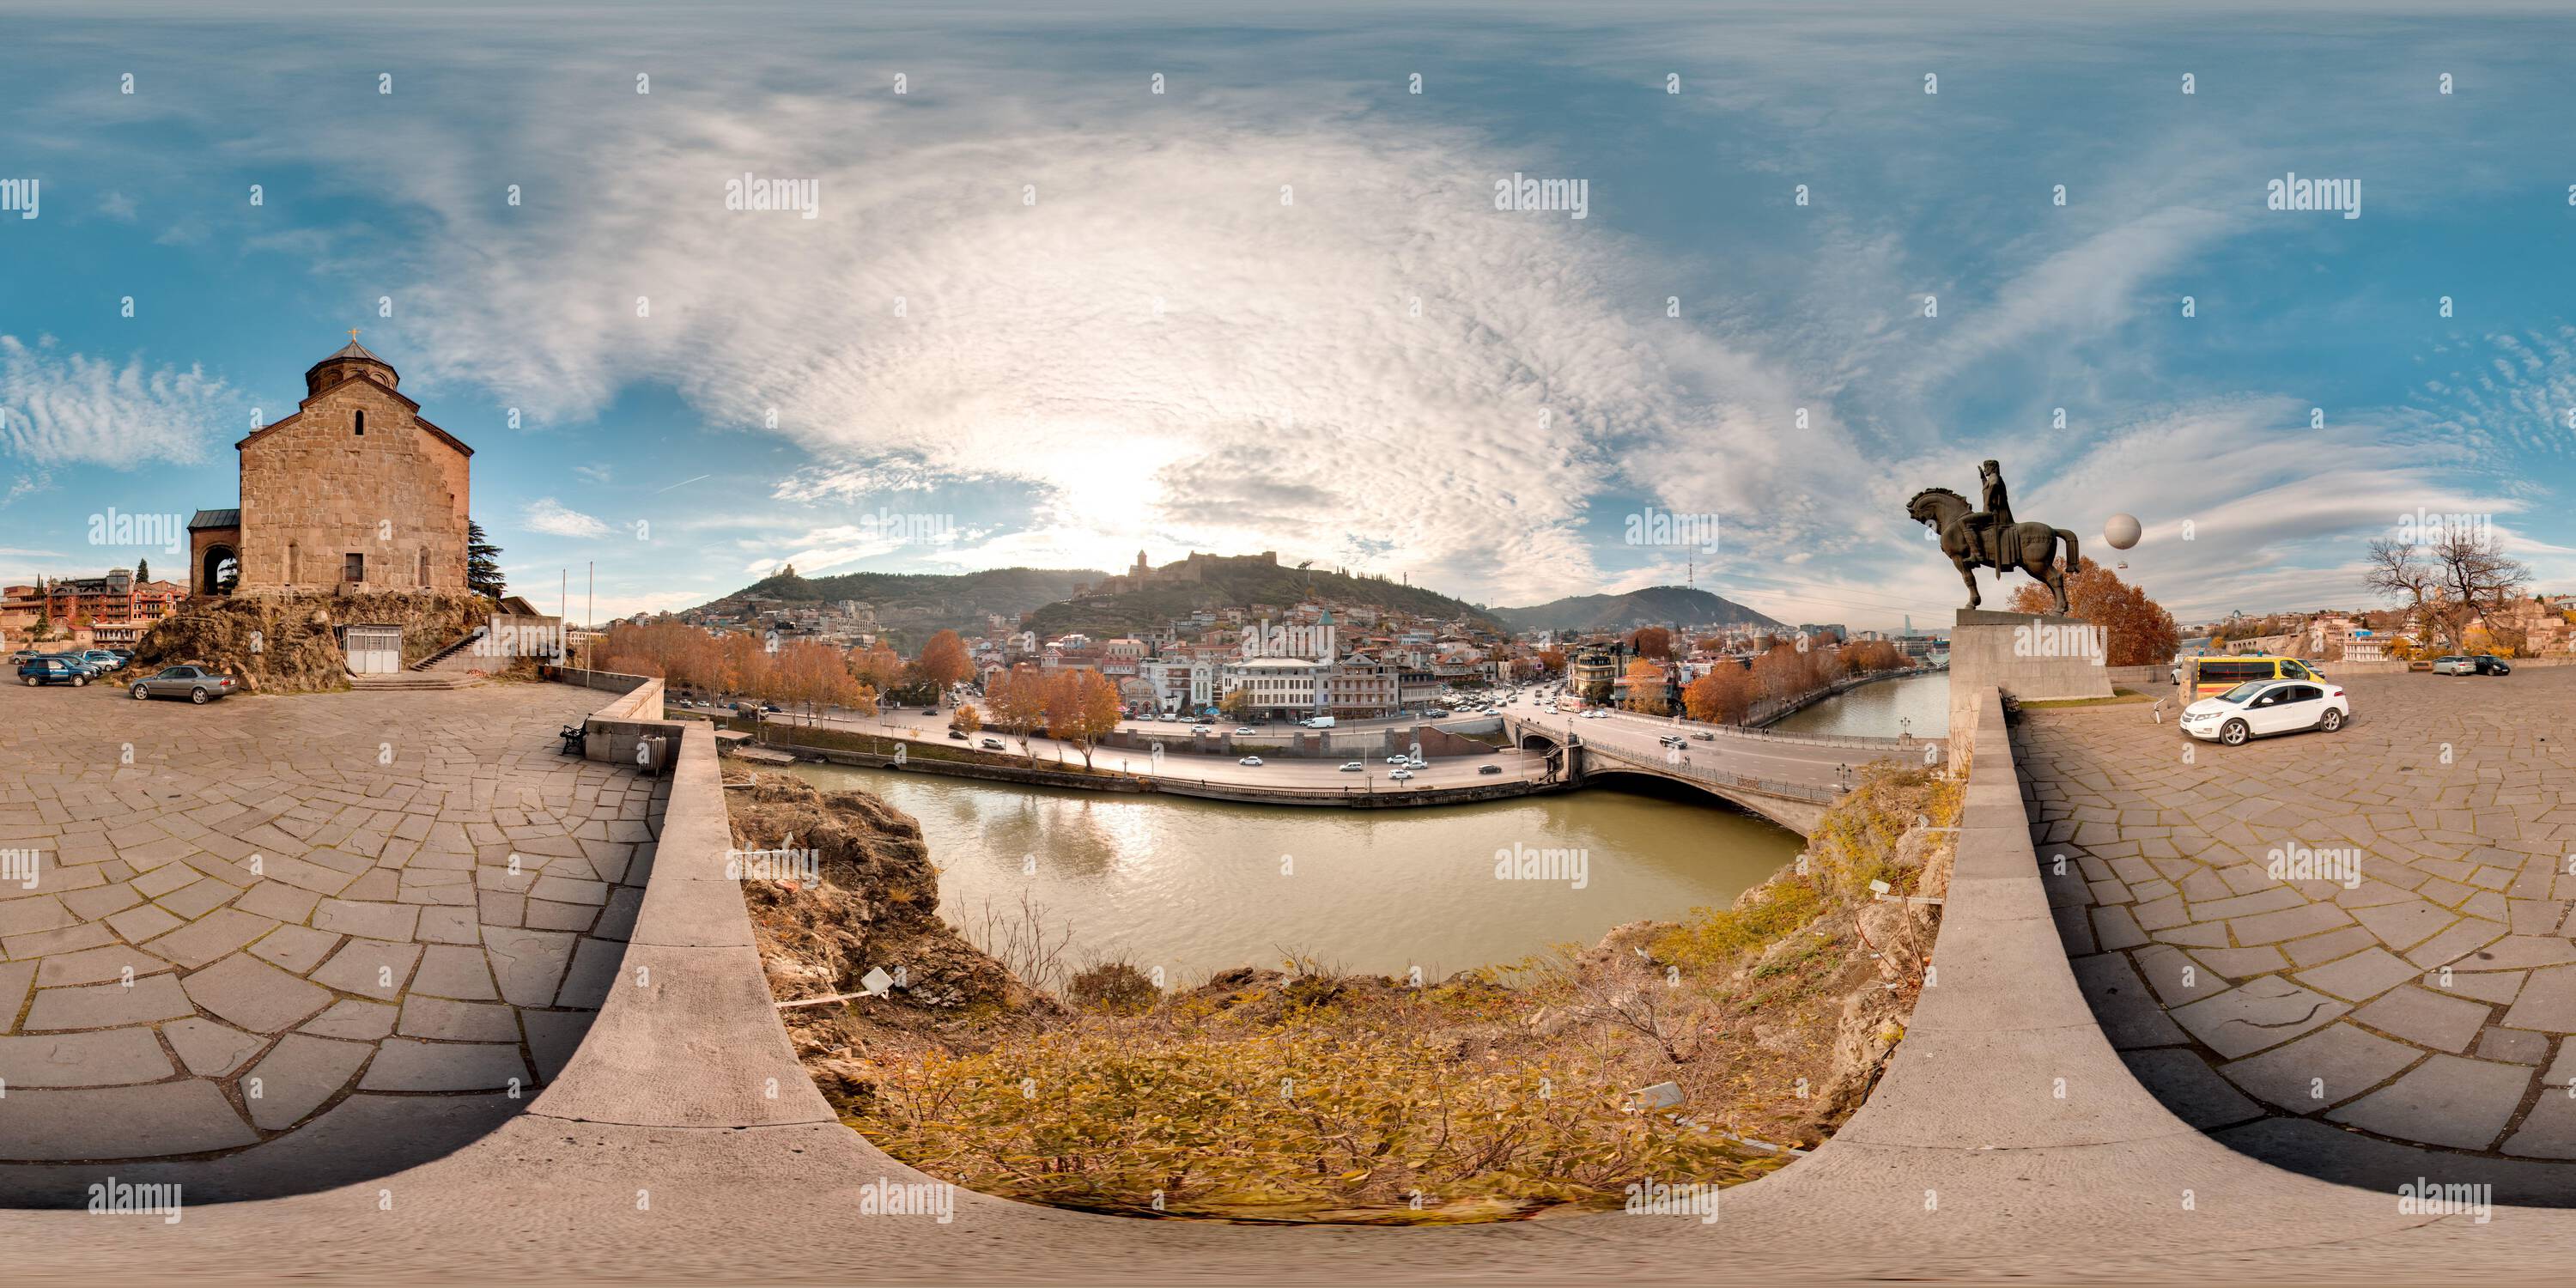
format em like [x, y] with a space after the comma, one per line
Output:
[1989, 538]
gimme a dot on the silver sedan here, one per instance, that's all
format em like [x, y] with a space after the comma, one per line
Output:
[195, 683]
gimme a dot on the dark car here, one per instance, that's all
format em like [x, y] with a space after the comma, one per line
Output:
[195, 683]
[930, 711]
[1489, 769]
[2488, 665]
[52, 670]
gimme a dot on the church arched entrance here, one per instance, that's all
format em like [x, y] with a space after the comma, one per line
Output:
[218, 571]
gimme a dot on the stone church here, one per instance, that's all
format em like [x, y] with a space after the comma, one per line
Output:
[353, 491]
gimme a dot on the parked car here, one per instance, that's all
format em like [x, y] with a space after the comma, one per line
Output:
[103, 659]
[2259, 707]
[1489, 769]
[51, 670]
[2477, 664]
[1254, 761]
[24, 656]
[195, 683]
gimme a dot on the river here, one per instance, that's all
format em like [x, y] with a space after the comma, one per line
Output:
[1880, 710]
[1197, 886]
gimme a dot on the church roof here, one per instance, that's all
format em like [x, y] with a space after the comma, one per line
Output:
[353, 350]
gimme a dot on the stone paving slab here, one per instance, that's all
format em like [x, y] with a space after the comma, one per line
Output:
[258, 917]
[2370, 928]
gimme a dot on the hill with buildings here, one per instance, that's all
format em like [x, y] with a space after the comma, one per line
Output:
[1655, 605]
[912, 605]
[1144, 598]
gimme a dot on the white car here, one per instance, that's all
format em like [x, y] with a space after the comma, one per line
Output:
[1254, 761]
[1398, 760]
[2259, 707]
[1246, 729]
[1417, 763]
[1352, 766]
[1401, 775]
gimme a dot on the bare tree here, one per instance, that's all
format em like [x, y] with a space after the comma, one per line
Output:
[2397, 571]
[2477, 574]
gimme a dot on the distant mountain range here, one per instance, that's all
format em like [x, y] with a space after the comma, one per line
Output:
[1240, 582]
[1653, 605]
[912, 606]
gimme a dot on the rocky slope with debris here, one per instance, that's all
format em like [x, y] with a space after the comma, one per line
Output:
[290, 643]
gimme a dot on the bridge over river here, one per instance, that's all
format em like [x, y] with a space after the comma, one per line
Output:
[1789, 778]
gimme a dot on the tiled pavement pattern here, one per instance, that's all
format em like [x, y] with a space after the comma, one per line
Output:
[2431, 1002]
[280, 903]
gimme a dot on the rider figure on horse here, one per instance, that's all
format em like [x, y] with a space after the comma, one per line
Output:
[1987, 526]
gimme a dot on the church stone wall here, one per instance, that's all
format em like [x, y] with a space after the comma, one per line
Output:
[315, 491]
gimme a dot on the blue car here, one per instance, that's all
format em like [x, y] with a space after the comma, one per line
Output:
[52, 670]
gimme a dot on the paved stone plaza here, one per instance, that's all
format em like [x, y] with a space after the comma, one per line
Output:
[2324, 946]
[245, 917]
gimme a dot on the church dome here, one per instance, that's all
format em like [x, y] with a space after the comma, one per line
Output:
[351, 360]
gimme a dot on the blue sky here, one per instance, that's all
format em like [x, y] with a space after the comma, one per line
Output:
[1044, 315]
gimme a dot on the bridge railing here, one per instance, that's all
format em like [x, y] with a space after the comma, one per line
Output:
[1859, 741]
[1822, 795]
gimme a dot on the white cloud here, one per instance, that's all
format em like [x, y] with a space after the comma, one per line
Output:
[546, 514]
[72, 409]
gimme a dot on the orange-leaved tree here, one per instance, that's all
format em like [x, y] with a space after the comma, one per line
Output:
[2140, 632]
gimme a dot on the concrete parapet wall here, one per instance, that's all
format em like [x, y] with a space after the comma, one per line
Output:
[688, 1035]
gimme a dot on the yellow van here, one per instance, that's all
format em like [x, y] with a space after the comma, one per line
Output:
[2213, 675]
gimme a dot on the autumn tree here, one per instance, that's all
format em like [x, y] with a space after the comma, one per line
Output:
[1237, 703]
[966, 719]
[944, 662]
[1646, 689]
[2138, 631]
[878, 667]
[1651, 641]
[1724, 695]
[1082, 708]
[1019, 701]
[1553, 659]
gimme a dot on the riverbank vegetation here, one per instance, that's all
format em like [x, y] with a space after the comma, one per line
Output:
[1300, 1093]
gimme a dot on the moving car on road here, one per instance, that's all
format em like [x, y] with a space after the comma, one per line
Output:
[990, 744]
[1352, 766]
[1489, 769]
[2259, 707]
[1254, 761]
[195, 683]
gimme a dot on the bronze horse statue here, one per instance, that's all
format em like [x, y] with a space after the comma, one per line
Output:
[2031, 547]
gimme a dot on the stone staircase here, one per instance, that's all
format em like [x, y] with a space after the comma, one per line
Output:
[433, 661]
[412, 680]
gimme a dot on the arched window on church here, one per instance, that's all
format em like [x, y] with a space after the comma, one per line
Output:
[424, 569]
[362, 424]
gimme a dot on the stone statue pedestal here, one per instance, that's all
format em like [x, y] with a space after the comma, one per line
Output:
[2033, 657]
